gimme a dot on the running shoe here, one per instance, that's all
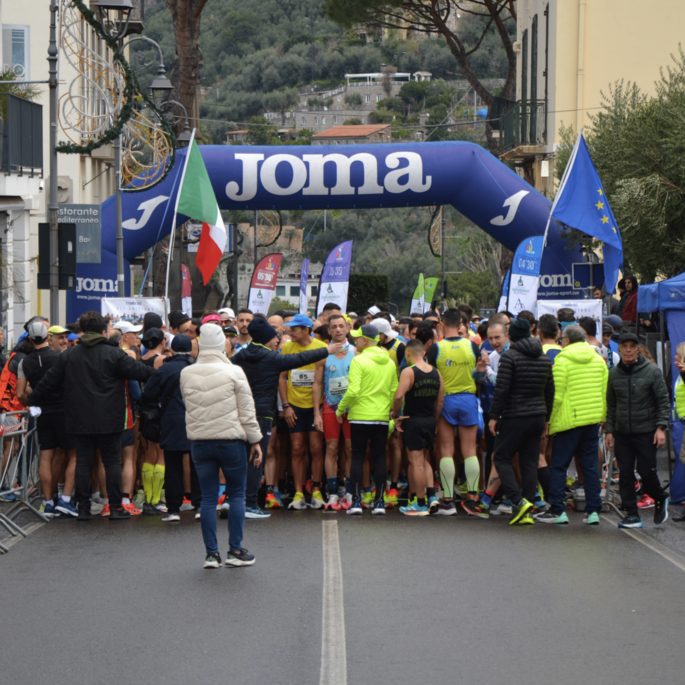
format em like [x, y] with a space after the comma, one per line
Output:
[390, 498]
[632, 521]
[549, 516]
[646, 502]
[132, 509]
[463, 488]
[149, 510]
[198, 515]
[591, 519]
[367, 500]
[539, 502]
[433, 504]
[256, 513]
[9, 497]
[213, 561]
[139, 498]
[477, 509]
[161, 508]
[347, 501]
[272, 502]
[526, 520]
[105, 510]
[333, 503]
[298, 502]
[379, 507]
[502, 509]
[68, 508]
[414, 510]
[119, 514]
[661, 511]
[239, 557]
[220, 502]
[171, 518]
[223, 509]
[355, 508]
[341, 491]
[187, 505]
[317, 501]
[48, 510]
[520, 511]
[446, 509]
[84, 515]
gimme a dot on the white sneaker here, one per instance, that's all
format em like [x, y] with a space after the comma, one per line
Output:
[96, 507]
[187, 506]
[197, 515]
[161, 507]
[333, 503]
[298, 504]
[171, 518]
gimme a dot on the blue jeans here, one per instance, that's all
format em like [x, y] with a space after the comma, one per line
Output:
[584, 443]
[230, 456]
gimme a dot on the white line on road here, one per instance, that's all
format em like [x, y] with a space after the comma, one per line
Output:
[333, 647]
[675, 558]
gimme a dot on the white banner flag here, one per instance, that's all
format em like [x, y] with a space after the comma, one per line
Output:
[581, 308]
[523, 293]
[134, 308]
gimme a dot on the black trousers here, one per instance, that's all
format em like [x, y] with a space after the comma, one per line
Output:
[109, 445]
[636, 452]
[522, 435]
[489, 447]
[173, 482]
[254, 473]
[375, 436]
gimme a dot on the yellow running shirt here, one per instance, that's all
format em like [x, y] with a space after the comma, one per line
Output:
[301, 381]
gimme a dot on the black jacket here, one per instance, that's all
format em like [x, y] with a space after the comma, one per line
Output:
[35, 366]
[637, 401]
[263, 368]
[92, 375]
[525, 385]
[173, 436]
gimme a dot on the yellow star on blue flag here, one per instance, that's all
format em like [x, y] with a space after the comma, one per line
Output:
[577, 206]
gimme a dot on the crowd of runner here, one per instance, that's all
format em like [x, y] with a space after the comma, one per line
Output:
[429, 414]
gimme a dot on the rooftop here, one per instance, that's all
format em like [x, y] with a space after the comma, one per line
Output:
[351, 131]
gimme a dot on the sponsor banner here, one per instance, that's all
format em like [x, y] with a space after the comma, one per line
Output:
[336, 272]
[263, 285]
[581, 308]
[133, 309]
[418, 300]
[525, 271]
[429, 287]
[502, 306]
[304, 276]
[523, 293]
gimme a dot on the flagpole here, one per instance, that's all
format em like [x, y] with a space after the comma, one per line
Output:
[173, 221]
[569, 166]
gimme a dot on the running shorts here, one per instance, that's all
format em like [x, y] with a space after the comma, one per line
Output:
[419, 434]
[51, 432]
[305, 420]
[331, 427]
[461, 409]
[128, 438]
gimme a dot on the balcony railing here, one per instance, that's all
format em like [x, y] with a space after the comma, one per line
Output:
[525, 124]
[22, 137]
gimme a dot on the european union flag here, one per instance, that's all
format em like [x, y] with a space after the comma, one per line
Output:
[582, 204]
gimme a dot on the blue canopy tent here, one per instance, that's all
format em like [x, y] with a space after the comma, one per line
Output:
[668, 298]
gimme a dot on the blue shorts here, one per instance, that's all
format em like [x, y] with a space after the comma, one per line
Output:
[305, 420]
[461, 409]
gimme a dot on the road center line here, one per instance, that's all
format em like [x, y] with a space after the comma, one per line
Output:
[333, 647]
[668, 554]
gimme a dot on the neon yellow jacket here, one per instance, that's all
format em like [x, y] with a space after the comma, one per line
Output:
[680, 398]
[372, 383]
[580, 388]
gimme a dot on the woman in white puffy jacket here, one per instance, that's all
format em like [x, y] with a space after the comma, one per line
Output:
[220, 422]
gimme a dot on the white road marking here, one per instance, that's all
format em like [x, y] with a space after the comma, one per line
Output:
[333, 647]
[668, 554]
[27, 529]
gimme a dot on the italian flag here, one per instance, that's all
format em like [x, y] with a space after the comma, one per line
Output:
[196, 200]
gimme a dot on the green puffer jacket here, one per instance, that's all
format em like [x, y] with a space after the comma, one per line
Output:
[637, 402]
[580, 387]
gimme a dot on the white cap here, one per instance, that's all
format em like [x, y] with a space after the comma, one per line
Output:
[393, 320]
[127, 327]
[38, 331]
[383, 326]
[373, 310]
[227, 311]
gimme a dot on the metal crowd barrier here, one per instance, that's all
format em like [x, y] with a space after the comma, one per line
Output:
[19, 479]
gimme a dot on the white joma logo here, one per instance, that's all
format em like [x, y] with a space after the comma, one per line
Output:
[147, 208]
[513, 203]
[308, 175]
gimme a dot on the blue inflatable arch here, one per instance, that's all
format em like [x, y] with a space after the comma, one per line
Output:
[340, 177]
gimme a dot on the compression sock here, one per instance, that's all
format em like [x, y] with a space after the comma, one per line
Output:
[222, 489]
[157, 483]
[447, 476]
[486, 499]
[421, 501]
[472, 471]
[543, 479]
[332, 486]
[147, 472]
[430, 492]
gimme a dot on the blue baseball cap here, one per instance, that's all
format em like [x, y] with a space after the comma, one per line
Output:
[299, 320]
[72, 336]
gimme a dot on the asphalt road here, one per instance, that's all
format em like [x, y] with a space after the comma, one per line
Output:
[446, 600]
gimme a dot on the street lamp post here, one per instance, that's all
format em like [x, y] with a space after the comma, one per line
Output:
[53, 205]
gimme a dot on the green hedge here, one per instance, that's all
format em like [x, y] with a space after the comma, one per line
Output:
[366, 290]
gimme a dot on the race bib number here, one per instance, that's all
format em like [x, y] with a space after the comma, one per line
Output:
[337, 386]
[301, 379]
